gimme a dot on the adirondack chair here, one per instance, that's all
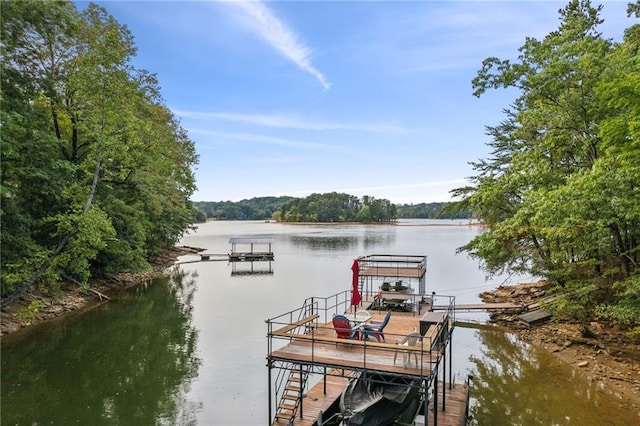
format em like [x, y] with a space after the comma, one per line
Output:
[344, 329]
[375, 329]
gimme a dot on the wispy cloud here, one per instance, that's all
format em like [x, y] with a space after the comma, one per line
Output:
[276, 33]
[288, 122]
[254, 138]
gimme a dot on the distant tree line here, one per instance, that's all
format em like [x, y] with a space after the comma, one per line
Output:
[259, 208]
[330, 207]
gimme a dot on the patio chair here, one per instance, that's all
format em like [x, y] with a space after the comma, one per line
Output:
[375, 329]
[344, 329]
[408, 340]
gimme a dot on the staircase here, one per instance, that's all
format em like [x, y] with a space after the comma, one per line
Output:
[291, 396]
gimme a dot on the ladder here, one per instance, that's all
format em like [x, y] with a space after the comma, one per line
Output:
[291, 397]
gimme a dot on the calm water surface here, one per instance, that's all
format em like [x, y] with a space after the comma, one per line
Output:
[190, 350]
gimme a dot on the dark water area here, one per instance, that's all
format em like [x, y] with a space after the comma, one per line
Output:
[126, 362]
[190, 349]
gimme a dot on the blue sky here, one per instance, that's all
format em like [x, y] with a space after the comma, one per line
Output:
[362, 97]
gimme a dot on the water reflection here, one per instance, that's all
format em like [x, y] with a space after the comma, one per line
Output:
[324, 242]
[336, 243]
[515, 384]
[129, 362]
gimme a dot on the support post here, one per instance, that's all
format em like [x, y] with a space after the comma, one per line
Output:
[270, 396]
[324, 384]
[451, 360]
[435, 398]
[301, 389]
[425, 405]
[444, 379]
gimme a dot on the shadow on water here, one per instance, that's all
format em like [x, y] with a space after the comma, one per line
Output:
[130, 362]
[516, 384]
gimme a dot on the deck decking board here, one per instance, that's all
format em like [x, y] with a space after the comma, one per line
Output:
[311, 342]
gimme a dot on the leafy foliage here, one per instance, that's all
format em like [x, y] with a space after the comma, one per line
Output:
[258, 208]
[261, 208]
[431, 211]
[96, 172]
[336, 207]
[560, 194]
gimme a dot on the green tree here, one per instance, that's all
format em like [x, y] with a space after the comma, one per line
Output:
[96, 172]
[559, 194]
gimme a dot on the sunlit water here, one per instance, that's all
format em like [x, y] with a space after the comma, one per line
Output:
[191, 350]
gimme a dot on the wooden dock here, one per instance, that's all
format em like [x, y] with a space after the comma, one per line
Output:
[319, 398]
[479, 307]
[249, 252]
[325, 394]
[302, 344]
[455, 413]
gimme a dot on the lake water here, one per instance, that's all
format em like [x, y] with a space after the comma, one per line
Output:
[190, 350]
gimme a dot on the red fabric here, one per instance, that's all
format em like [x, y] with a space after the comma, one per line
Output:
[355, 292]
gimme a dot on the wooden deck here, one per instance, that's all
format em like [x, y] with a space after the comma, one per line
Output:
[317, 401]
[303, 340]
[479, 307]
[455, 407]
[319, 346]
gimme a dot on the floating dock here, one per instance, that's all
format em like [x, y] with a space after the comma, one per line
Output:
[245, 249]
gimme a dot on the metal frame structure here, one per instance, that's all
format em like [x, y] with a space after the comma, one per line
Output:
[304, 322]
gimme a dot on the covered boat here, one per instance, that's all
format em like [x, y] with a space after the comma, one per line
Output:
[377, 400]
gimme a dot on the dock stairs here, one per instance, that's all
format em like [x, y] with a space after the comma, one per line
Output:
[292, 394]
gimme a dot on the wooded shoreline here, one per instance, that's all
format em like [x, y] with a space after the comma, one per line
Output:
[17, 316]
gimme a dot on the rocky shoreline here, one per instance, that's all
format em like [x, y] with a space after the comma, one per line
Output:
[37, 307]
[605, 353]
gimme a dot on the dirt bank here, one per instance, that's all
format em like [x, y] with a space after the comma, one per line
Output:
[607, 354]
[37, 307]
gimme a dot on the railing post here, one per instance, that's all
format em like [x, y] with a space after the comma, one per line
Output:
[301, 389]
[270, 396]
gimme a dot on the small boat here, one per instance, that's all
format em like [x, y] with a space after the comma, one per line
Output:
[378, 400]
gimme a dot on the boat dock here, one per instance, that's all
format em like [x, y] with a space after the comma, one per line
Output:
[250, 249]
[302, 346]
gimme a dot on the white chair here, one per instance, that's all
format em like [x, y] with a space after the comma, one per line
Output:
[408, 340]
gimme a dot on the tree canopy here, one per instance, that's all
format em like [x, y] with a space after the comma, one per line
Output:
[96, 171]
[336, 207]
[258, 208]
[560, 194]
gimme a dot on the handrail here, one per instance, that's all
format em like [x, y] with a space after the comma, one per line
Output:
[304, 323]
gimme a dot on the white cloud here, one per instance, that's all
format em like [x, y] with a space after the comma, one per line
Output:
[254, 138]
[275, 32]
[288, 122]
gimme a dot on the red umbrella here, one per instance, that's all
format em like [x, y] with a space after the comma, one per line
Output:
[355, 292]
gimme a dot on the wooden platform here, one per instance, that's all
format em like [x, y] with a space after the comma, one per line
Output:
[455, 407]
[479, 307]
[319, 346]
[535, 317]
[316, 400]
